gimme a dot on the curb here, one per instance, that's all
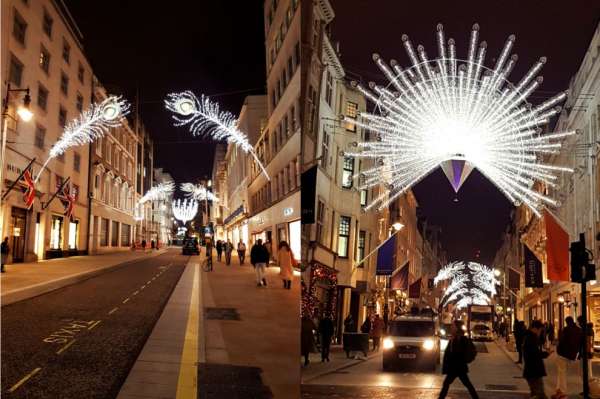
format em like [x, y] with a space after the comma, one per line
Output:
[52, 285]
[348, 364]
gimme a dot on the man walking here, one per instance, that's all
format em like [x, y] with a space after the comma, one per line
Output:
[228, 248]
[326, 332]
[219, 248]
[569, 342]
[259, 256]
[519, 335]
[533, 357]
[4, 249]
[241, 250]
[459, 352]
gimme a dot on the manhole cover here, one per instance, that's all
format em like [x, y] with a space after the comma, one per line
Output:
[222, 314]
[499, 387]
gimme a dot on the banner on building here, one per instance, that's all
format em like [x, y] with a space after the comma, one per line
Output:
[414, 290]
[399, 280]
[29, 189]
[533, 270]
[557, 249]
[309, 193]
[514, 279]
[386, 255]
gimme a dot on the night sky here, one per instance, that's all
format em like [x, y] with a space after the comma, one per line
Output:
[558, 30]
[159, 47]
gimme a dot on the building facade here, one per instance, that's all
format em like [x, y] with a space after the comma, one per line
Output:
[42, 51]
[162, 211]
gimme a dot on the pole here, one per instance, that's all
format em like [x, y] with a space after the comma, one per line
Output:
[3, 156]
[584, 357]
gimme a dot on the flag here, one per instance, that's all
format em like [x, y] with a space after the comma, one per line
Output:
[309, 195]
[399, 279]
[29, 194]
[557, 249]
[414, 290]
[514, 279]
[533, 270]
[68, 201]
[386, 257]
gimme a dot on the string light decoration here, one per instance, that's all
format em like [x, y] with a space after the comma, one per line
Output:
[310, 301]
[458, 114]
[91, 124]
[198, 192]
[204, 117]
[160, 192]
[185, 210]
[470, 283]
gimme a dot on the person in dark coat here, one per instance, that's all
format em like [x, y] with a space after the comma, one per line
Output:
[365, 328]
[4, 250]
[519, 336]
[219, 247]
[325, 332]
[259, 257]
[307, 342]
[587, 342]
[144, 245]
[455, 363]
[569, 343]
[349, 325]
[533, 357]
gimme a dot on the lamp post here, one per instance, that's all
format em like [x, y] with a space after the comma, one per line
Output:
[25, 115]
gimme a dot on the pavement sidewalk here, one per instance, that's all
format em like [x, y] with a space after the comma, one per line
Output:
[338, 361]
[574, 379]
[26, 280]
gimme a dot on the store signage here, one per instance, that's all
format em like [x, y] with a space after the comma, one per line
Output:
[258, 220]
[309, 195]
[288, 211]
[533, 270]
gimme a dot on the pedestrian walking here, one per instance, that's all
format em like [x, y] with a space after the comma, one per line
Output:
[349, 325]
[458, 354]
[152, 244]
[286, 261]
[534, 370]
[587, 343]
[307, 340]
[219, 248]
[551, 332]
[376, 332]
[569, 343]
[365, 328]
[259, 256]
[241, 250]
[519, 336]
[4, 250]
[228, 249]
[269, 249]
[143, 245]
[325, 333]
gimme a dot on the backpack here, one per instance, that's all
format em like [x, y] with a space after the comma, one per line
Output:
[470, 351]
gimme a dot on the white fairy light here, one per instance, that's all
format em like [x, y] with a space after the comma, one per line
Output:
[160, 192]
[470, 283]
[185, 210]
[204, 117]
[91, 124]
[198, 192]
[460, 115]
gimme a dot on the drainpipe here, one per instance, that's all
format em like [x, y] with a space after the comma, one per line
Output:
[89, 191]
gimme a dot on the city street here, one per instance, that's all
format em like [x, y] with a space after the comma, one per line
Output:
[81, 341]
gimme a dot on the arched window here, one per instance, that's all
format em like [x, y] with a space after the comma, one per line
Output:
[106, 189]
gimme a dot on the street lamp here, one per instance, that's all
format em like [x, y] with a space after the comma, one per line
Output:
[397, 226]
[497, 272]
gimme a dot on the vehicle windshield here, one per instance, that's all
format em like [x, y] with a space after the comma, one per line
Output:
[481, 327]
[412, 328]
[481, 316]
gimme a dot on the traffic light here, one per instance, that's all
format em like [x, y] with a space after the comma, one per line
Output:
[579, 260]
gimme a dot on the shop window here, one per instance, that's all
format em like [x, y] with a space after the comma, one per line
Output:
[114, 236]
[343, 236]
[104, 232]
[56, 232]
[295, 229]
[125, 235]
[73, 234]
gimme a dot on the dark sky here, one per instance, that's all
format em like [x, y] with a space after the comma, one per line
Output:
[556, 29]
[206, 46]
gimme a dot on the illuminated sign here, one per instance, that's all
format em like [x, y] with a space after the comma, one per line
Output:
[288, 211]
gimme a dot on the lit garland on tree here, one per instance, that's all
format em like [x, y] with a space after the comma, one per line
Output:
[470, 283]
[458, 114]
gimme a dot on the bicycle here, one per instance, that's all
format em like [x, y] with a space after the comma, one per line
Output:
[207, 264]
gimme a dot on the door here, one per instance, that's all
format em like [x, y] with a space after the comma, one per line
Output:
[18, 233]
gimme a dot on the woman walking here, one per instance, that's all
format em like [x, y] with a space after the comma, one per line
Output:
[286, 262]
[228, 249]
[241, 250]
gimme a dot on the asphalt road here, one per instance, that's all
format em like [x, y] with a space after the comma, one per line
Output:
[368, 392]
[82, 340]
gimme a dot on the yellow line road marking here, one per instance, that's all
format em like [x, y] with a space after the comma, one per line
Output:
[24, 379]
[64, 348]
[113, 311]
[126, 300]
[135, 293]
[94, 325]
[187, 384]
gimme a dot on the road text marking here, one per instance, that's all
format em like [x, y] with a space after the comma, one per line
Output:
[24, 379]
[64, 348]
[94, 325]
[113, 311]
[126, 300]
[66, 333]
[135, 293]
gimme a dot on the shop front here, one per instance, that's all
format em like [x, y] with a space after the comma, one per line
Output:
[17, 233]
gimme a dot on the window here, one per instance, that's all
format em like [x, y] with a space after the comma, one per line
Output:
[329, 88]
[348, 172]
[73, 233]
[80, 73]
[79, 102]
[293, 119]
[125, 235]
[104, 232]
[62, 116]
[363, 197]
[320, 221]
[351, 112]
[64, 83]
[297, 53]
[362, 235]
[343, 236]
[56, 232]
[42, 97]
[66, 51]
[19, 28]
[114, 234]
[312, 104]
[325, 149]
[47, 24]
[290, 67]
[40, 135]
[45, 60]
[15, 73]
[76, 162]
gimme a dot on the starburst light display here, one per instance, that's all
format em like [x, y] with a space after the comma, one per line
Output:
[458, 114]
[198, 192]
[470, 283]
[204, 117]
[92, 124]
[185, 210]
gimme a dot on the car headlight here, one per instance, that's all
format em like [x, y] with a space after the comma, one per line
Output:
[428, 344]
[388, 343]
[443, 332]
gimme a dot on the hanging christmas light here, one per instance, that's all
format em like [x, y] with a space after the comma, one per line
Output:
[185, 210]
[198, 192]
[204, 117]
[160, 192]
[458, 114]
[470, 283]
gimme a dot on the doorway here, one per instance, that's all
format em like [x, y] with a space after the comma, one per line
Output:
[18, 232]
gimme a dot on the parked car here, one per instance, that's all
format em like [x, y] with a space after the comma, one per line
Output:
[190, 247]
[482, 332]
[411, 340]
